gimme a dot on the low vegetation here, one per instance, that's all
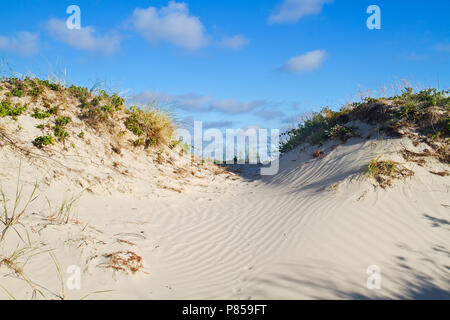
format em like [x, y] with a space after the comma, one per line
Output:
[318, 128]
[342, 132]
[7, 108]
[152, 127]
[17, 249]
[425, 112]
[43, 141]
[104, 112]
[38, 114]
[64, 212]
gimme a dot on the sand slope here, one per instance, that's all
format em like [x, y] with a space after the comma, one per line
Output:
[311, 231]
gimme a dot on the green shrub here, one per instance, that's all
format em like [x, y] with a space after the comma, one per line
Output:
[413, 102]
[53, 110]
[392, 113]
[42, 141]
[139, 142]
[59, 128]
[96, 101]
[117, 101]
[107, 108]
[84, 104]
[96, 113]
[342, 132]
[103, 94]
[63, 121]
[133, 125]
[17, 92]
[154, 126]
[315, 129]
[60, 133]
[79, 92]
[36, 91]
[38, 114]
[51, 85]
[18, 87]
[6, 109]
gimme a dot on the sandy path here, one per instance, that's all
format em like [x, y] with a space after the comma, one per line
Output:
[291, 237]
[309, 232]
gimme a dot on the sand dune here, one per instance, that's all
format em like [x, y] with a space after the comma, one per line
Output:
[156, 223]
[310, 231]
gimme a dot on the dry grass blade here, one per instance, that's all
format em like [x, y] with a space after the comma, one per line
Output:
[62, 296]
[96, 292]
[17, 261]
[11, 218]
[64, 212]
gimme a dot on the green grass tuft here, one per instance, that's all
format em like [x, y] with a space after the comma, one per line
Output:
[38, 114]
[153, 127]
[42, 141]
[7, 109]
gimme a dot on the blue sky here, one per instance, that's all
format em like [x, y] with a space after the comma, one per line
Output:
[232, 63]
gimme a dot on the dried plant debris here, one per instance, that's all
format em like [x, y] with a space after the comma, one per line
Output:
[441, 154]
[319, 154]
[441, 173]
[123, 261]
[385, 171]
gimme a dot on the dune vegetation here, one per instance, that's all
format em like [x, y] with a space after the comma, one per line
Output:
[52, 103]
[426, 113]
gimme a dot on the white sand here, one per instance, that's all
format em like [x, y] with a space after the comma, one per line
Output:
[310, 231]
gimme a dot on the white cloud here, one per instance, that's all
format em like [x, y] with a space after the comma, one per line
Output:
[217, 124]
[189, 101]
[235, 106]
[24, 43]
[84, 38]
[195, 102]
[294, 10]
[305, 62]
[172, 24]
[269, 114]
[235, 42]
